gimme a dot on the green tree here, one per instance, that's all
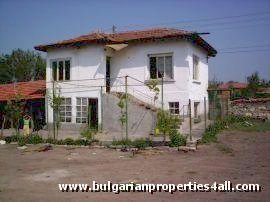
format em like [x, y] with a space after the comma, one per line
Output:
[254, 83]
[21, 65]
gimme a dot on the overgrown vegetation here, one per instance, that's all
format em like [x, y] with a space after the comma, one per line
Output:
[176, 139]
[140, 143]
[233, 122]
[36, 139]
[166, 122]
[87, 133]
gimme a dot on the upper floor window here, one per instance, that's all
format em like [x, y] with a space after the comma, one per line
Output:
[61, 69]
[195, 67]
[161, 66]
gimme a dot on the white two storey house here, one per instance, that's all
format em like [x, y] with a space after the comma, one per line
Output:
[85, 67]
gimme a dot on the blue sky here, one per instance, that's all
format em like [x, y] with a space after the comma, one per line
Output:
[232, 24]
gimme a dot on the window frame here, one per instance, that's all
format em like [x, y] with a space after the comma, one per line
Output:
[81, 105]
[164, 55]
[195, 69]
[65, 111]
[58, 60]
[174, 108]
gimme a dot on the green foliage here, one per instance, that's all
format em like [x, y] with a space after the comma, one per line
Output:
[141, 143]
[13, 110]
[166, 121]
[176, 139]
[22, 141]
[51, 141]
[69, 141]
[22, 66]
[86, 133]
[33, 139]
[82, 142]
[152, 84]
[127, 142]
[210, 134]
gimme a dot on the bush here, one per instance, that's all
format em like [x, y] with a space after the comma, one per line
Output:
[22, 141]
[34, 139]
[176, 139]
[51, 141]
[69, 141]
[60, 142]
[141, 143]
[86, 132]
[210, 134]
[8, 139]
[122, 142]
[82, 142]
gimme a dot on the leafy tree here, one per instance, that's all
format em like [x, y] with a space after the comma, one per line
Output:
[253, 82]
[21, 65]
[13, 110]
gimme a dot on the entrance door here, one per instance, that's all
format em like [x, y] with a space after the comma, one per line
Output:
[108, 72]
[93, 113]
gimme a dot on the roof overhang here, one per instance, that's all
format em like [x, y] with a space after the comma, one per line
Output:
[117, 47]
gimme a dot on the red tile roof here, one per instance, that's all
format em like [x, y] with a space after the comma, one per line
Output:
[27, 90]
[130, 36]
[232, 84]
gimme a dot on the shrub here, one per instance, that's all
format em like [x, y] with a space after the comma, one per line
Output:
[82, 142]
[69, 141]
[22, 141]
[8, 139]
[34, 139]
[176, 139]
[122, 142]
[86, 132]
[51, 141]
[60, 142]
[141, 143]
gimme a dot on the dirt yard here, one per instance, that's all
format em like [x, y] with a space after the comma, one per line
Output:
[241, 157]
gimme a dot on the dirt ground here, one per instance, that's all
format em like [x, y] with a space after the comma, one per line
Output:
[241, 157]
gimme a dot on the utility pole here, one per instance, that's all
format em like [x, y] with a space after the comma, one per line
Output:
[126, 105]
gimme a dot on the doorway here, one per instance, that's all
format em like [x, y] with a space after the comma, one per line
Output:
[93, 113]
[108, 74]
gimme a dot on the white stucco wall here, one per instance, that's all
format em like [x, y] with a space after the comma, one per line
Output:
[86, 64]
[90, 63]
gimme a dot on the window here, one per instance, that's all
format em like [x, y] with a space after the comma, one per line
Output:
[196, 108]
[195, 67]
[82, 109]
[174, 107]
[161, 66]
[65, 110]
[61, 70]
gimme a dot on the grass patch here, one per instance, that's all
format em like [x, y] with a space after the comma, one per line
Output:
[251, 126]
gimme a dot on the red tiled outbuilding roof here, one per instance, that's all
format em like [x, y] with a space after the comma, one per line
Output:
[26, 90]
[131, 36]
[232, 84]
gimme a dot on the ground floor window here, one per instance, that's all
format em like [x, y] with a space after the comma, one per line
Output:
[65, 110]
[82, 108]
[174, 107]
